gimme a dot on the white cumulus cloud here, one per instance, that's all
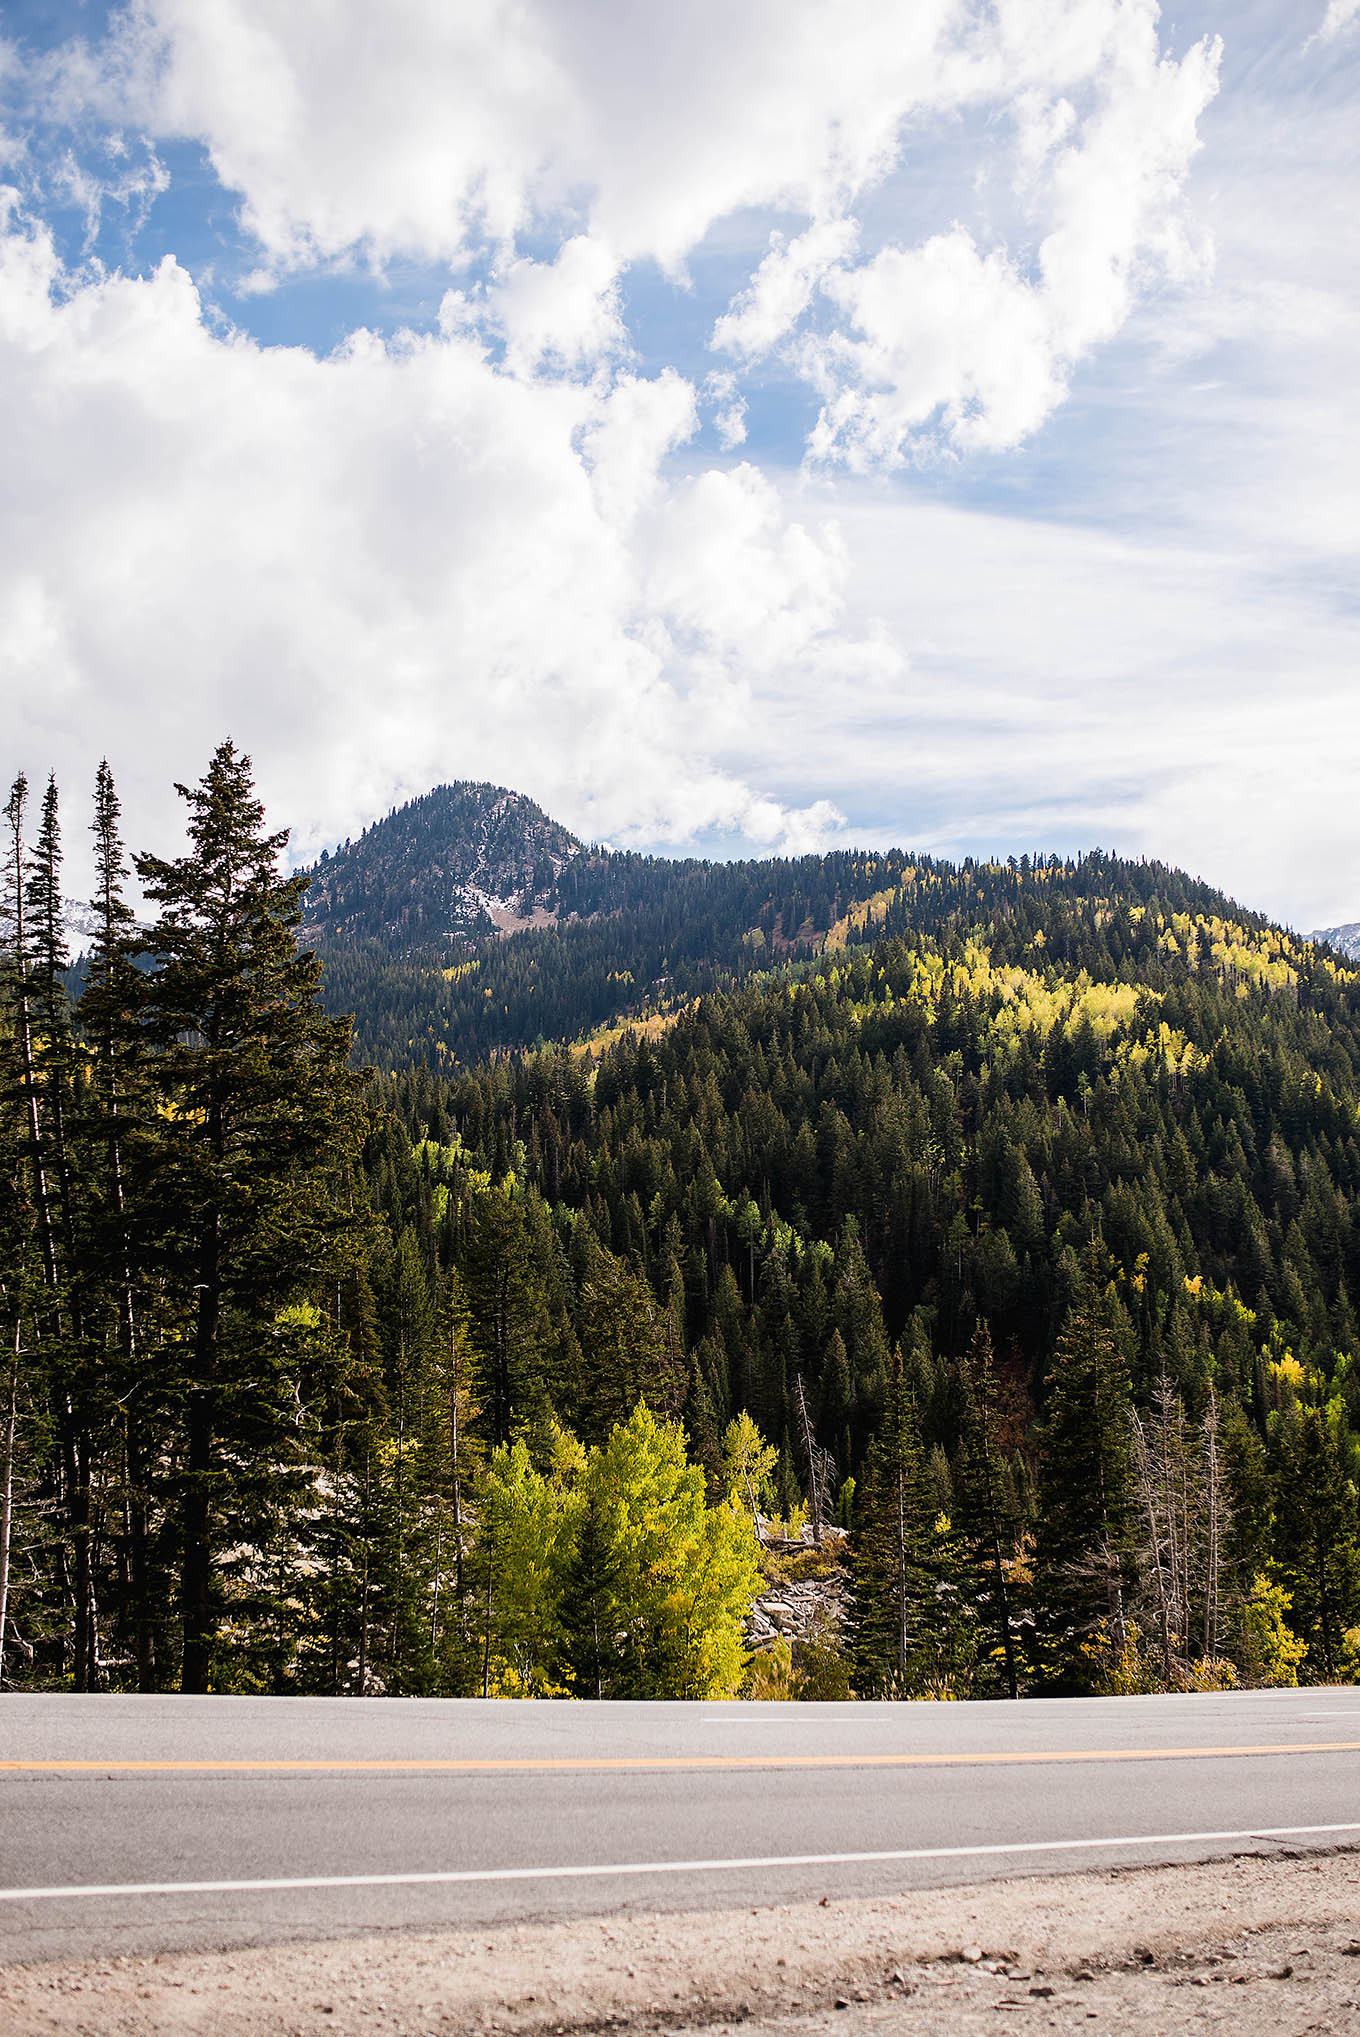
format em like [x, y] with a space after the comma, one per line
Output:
[497, 546]
[397, 564]
[1339, 16]
[973, 346]
[421, 127]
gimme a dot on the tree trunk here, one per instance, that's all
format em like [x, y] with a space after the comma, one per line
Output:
[196, 1573]
[9, 1418]
[1002, 1595]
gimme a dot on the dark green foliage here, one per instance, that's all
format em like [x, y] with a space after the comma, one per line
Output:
[882, 1150]
[896, 1558]
[254, 1106]
[818, 1160]
[592, 1577]
[988, 1518]
[1317, 1535]
[1086, 1500]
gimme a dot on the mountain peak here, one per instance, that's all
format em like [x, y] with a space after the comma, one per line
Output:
[464, 860]
[1345, 939]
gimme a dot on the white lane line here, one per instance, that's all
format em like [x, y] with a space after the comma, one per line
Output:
[588, 1872]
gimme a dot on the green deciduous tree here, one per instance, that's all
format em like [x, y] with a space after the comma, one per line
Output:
[685, 1572]
[607, 1573]
[748, 1466]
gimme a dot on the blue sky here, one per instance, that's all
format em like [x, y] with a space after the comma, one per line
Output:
[738, 426]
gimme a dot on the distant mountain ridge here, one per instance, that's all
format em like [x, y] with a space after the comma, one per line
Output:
[414, 921]
[469, 924]
[1345, 939]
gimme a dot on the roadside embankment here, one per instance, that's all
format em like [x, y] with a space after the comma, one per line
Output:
[1265, 1944]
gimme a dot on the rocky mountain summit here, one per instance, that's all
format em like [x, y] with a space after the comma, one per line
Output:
[467, 860]
[1345, 939]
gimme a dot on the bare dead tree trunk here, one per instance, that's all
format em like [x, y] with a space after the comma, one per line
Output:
[1146, 1472]
[815, 1459]
[1214, 1524]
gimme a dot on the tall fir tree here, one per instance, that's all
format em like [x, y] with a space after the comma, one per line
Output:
[1086, 1494]
[257, 1107]
[1317, 1539]
[114, 1115]
[453, 1460]
[75, 1371]
[988, 1520]
[892, 1556]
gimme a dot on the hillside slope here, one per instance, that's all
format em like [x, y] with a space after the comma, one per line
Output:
[799, 1187]
[469, 923]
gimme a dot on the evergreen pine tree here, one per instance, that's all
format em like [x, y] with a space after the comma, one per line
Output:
[256, 1105]
[114, 1114]
[1085, 1489]
[592, 1581]
[72, 1368]
[1317, 1538]
[987, 1520]
[891, 1549]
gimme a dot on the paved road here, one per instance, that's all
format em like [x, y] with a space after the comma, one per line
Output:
[315, 1817]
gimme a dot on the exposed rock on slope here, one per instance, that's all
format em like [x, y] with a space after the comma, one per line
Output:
[806, 1590]
[1345, 939]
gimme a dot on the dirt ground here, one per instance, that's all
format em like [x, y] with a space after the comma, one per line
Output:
[1254, 1945]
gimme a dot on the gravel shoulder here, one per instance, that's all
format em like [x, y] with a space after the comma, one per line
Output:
[1264, 1943]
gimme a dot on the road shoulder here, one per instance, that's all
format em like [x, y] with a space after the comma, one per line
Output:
[1265, 1942]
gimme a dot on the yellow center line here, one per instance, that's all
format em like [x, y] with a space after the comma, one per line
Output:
[498, 1765]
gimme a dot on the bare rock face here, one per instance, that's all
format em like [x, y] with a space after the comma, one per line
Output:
[806, 1598]
[1345, 939]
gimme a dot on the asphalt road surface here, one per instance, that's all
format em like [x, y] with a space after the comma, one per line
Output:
[151, 1824]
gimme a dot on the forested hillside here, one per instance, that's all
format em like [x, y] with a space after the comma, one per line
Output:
[468, 924]
[1094, 1116]
[1018, 1240]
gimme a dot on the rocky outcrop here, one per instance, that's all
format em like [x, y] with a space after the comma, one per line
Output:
[807, 1594]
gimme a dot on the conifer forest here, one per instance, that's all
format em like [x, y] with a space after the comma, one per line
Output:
[977, 1270]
